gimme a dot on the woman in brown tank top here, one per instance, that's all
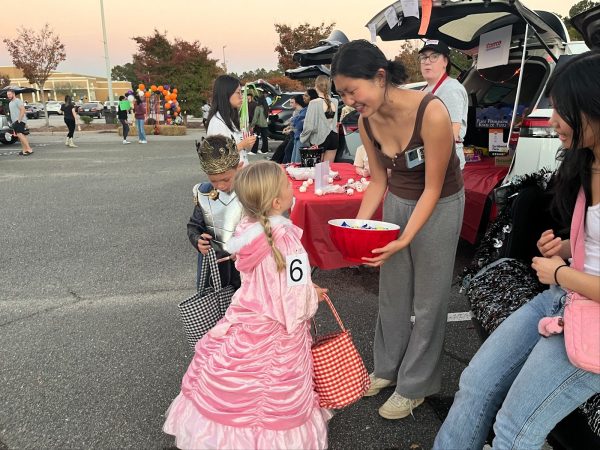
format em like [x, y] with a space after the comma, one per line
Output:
[409, 133]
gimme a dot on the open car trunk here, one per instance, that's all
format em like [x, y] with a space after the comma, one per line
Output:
[460, 24]
[492, 94]
[302, 73]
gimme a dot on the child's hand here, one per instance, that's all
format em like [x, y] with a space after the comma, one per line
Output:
[320, 292]
[247, 143]
[204, 243]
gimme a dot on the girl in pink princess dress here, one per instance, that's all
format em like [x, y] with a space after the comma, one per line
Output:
[250, 383]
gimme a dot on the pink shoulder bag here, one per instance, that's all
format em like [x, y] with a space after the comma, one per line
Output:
[582, 316]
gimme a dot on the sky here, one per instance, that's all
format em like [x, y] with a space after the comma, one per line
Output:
[241, 31]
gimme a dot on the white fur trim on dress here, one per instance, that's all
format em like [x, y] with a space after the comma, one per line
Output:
[236, 243]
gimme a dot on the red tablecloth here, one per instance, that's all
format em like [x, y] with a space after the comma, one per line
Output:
[480, 180]
[311, 213]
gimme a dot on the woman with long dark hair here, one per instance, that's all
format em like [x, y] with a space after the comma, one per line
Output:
[70, 117]
[523, 380]
[224, 115]
[408, 133]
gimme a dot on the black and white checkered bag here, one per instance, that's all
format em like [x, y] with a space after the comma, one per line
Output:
[202, 311]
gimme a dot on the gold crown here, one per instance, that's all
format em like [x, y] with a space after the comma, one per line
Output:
[215, 161]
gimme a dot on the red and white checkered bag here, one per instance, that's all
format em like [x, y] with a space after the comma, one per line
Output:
[340, 375]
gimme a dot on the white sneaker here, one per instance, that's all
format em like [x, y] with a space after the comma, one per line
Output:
[377, 384]
[398, 407]
[143, 142]
[125, 141]
[262, 153]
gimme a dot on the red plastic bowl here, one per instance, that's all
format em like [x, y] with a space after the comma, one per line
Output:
[356, 243]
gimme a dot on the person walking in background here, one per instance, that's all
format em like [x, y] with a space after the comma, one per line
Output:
[124, 107]
[260, 125]
[408, 132]
[140, 119]
[18, 117]
[205, 111]
[435, 68]
[224, 116]
[320, 124]
[250, 382]
[70, 117]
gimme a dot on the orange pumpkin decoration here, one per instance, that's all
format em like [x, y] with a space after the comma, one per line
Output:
[153, 88]
[147, 94]
[141, 87]
[175, 91]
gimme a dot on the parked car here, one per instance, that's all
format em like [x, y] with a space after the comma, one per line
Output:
[91, 109]
[538, 142]
[53, 107]
[33, 112]
[492, 91]
[302, 73]
[276, 123]
[110, 105]
[323, 52]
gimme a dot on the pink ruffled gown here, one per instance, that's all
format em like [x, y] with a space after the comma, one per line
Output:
[249, 385]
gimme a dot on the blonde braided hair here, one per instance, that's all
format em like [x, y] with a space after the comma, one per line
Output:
[256, 186]
[322, 85]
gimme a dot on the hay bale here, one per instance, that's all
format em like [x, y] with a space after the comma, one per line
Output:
[164, 130]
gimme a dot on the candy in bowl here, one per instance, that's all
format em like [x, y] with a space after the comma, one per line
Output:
[356, 238]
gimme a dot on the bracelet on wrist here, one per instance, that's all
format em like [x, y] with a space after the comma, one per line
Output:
[556, 273]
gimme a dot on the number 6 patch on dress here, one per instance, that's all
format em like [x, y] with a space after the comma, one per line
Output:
[297, 269]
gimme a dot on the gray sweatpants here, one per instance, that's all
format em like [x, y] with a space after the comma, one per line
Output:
[418, 277]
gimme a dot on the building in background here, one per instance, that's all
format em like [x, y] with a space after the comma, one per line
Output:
[79, 87]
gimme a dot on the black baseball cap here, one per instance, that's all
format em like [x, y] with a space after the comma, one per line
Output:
[436, 46]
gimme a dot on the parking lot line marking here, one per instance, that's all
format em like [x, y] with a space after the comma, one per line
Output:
[453, 317]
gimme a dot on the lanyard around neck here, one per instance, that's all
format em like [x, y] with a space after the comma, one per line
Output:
[439, 83]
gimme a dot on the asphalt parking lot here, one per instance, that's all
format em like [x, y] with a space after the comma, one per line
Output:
[94, 259]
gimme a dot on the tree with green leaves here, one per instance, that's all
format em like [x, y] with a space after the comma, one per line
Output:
[184, 65]
[577, 8]
[409, 57]
[126, 72]
[292, 39]
[253, 75]
[37, 54]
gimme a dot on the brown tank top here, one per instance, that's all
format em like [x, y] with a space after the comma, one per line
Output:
[409, 183]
